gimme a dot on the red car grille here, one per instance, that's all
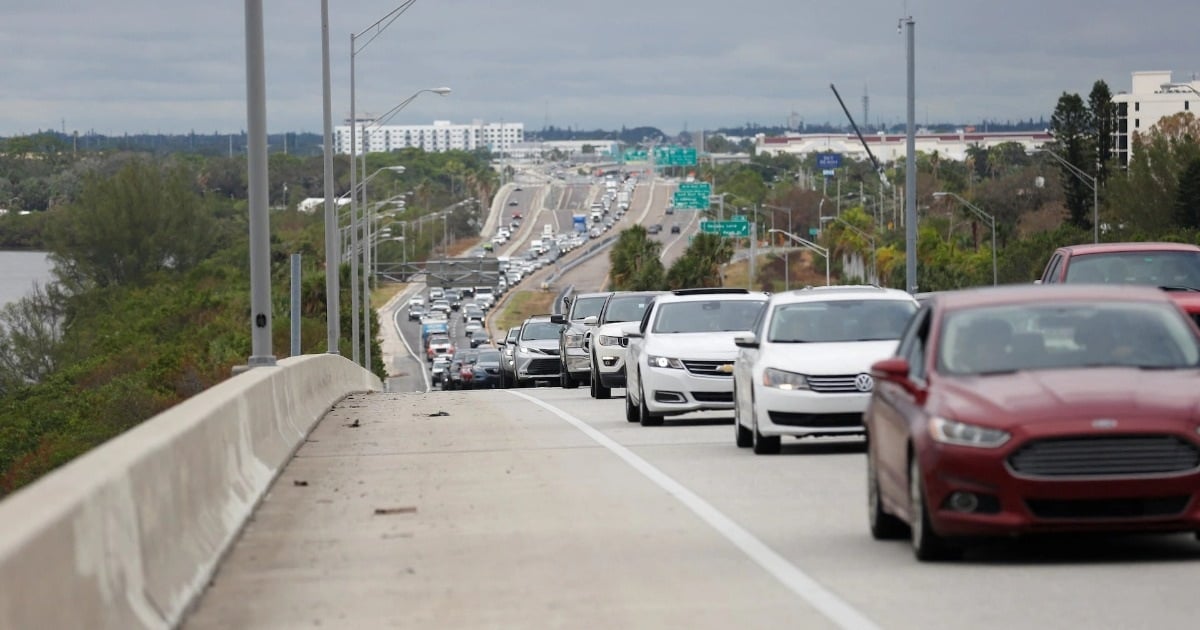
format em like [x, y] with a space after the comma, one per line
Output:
[1108, 508]
[1116, 455]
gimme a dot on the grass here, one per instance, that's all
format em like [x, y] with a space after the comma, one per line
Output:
[768, 275]
[521, 305]
[384, 292]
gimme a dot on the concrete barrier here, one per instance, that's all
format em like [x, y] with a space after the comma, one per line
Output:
[129, 534]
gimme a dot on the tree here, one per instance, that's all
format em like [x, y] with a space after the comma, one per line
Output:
[587, 149]
[1187, 197]
[1070, 124]
[144, 220]
[1104, 125]
[634, 261]
[700, 264]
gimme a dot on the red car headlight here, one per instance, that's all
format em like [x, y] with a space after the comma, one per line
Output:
[949, 431]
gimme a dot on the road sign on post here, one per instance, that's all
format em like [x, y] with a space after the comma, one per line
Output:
[726, 228]
[692, 196]
[636, 155]
[828, 161]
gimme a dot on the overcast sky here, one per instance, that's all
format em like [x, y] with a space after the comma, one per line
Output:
[171, 66]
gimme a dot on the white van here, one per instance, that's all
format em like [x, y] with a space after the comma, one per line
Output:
[536, 245]
[547, 231]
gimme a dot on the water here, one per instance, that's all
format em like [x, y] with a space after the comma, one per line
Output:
[18, 273]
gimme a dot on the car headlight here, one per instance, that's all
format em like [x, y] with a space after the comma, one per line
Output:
[610, 340]
[780, 379]
[664, 362]
[573, 340]
[949, 431]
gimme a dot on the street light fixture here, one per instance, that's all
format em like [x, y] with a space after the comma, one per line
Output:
[809, 245]
[980, 213]
[1179, 86]
[1087, 179]
[870, 239]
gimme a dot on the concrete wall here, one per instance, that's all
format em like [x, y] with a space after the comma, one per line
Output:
[128, 535]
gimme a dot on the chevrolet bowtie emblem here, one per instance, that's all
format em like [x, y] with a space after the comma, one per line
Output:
[725, 368]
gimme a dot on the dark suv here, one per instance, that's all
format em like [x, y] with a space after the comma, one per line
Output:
[573, 359]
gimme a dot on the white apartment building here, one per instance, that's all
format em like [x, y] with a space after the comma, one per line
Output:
[890, 147]
[1154, 96]
[442, 135]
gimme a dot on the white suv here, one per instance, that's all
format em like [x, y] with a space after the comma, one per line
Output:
[604, 342]
[680, 358]
[805, 369]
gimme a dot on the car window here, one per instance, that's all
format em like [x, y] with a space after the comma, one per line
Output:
[707, 316]
[535, 331]
[1053, 269]
[919, 343]
[513, 334]
[999, 339]
[587, 307]
[628, 308]
[840, 321]
[1168, 269]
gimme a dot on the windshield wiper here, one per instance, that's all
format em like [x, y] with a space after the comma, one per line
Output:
[1179, 287]
[790, 341]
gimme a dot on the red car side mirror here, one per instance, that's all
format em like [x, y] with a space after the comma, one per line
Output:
[894, 370]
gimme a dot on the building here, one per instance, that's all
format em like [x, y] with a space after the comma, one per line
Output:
[573, 149]
[442, 135]
[890, 147]
[1153, 97]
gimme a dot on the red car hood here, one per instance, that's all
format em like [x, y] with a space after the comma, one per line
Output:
[1006, 400]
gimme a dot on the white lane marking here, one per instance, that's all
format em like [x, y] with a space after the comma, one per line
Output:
[788, 574]
[420, 362]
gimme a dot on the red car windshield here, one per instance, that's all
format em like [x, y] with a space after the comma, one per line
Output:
[1000, 339]
[1168, 269]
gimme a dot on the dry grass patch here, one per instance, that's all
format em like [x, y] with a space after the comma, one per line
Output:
[523, 304]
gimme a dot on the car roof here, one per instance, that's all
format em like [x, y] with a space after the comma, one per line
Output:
[839, 292]
[1033, 293]
[593, 295]
[671, 298]
[533, 319]
[1108, 248]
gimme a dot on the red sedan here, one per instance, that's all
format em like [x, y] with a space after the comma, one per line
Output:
[1034, 409]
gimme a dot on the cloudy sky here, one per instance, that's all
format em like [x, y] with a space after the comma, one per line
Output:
[172, 66]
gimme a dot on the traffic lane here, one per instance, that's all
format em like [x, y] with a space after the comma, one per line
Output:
[496, 514]
[809, 505]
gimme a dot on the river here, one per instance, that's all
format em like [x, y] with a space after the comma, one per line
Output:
[18, 273]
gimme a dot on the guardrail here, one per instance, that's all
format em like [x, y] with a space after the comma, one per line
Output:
[129, 534]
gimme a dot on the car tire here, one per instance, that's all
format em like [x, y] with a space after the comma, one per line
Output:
[927, 545]
[884, 526]
[566, 381]
[599, 391]
[763, 444]
[644, 416]
[741, 435]
[631, 410]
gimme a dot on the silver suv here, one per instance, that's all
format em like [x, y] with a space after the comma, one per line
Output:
[536, 356]
[574, 363]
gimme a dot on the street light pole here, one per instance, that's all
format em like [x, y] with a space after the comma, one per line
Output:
[985, 216]
[333, 257]
[870, 239]
[1087, 179]
[812, 246]
[787, 260]
[379, 26]
[256, 158]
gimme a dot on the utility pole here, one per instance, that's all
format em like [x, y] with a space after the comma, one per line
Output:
[910, 165]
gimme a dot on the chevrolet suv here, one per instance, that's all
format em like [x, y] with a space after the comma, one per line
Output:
[681, 356]
[573, 358]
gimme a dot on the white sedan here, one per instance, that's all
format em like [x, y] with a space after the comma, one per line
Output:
[805, 371]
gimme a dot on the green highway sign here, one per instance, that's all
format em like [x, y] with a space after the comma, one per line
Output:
[674, 156]
[726, 228]
[738, 217]
[636, 155]
[692, 196]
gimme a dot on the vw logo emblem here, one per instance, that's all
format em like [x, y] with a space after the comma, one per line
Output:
[864, 383]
